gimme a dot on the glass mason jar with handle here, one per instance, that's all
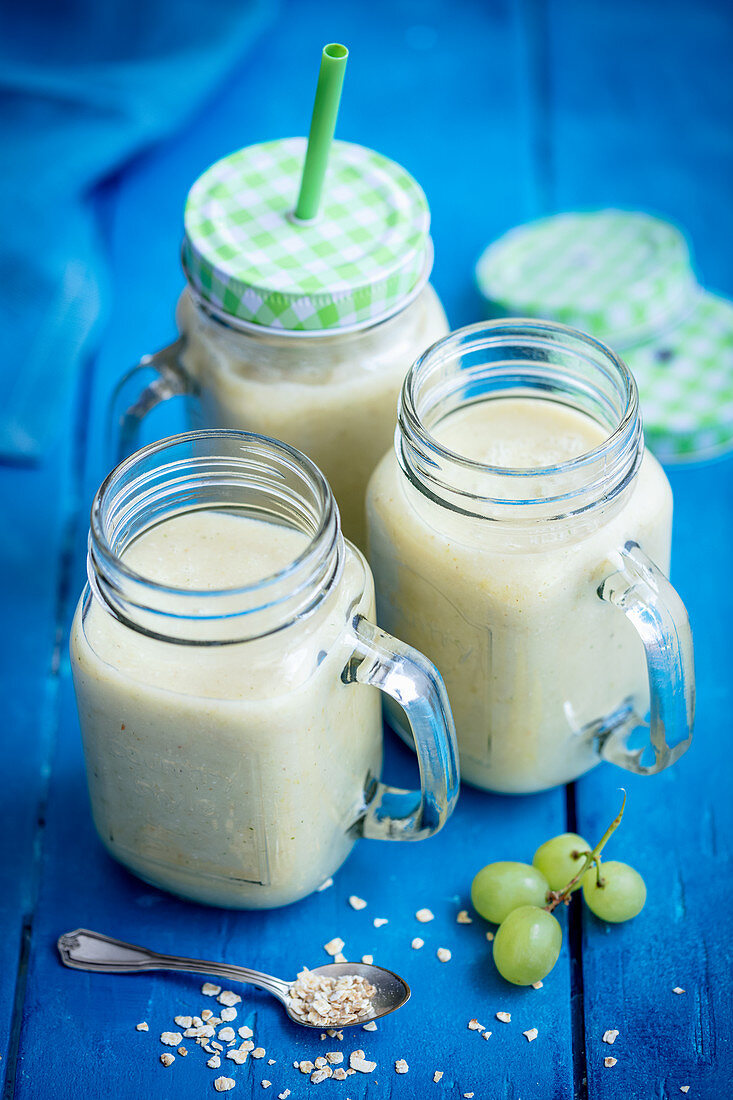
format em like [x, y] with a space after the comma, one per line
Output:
[520, 536]
[303, 331]
[225, 661]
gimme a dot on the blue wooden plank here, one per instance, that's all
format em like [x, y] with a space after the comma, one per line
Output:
[470, 56]
[654, 132]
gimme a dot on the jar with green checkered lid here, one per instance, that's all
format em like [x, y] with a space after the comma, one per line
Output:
[299, 330]
[626, 278]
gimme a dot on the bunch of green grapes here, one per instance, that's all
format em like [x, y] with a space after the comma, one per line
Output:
[520, 898]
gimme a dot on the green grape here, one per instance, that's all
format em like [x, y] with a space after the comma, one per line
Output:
[555, 859]
[527, 945]
[621, 896]
[500, 887]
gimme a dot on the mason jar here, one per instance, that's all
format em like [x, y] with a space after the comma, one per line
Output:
[225, 661]
[299, 331]
[520, 537]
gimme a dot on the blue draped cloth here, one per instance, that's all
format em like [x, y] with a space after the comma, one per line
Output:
[84, 86]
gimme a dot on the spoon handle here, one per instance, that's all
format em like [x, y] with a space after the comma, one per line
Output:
[85, 950]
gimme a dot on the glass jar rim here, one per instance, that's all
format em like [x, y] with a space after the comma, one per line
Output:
[250, 328]
[291, 588]
[438, 470]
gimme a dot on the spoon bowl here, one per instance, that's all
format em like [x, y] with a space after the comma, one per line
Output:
[86, 950]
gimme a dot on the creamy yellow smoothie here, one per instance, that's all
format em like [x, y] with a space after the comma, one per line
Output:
[530, 655]
[229, 773]
[333, 396]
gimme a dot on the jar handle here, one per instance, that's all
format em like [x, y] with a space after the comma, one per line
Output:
[658, 615]
[133, 399]
[415, 683]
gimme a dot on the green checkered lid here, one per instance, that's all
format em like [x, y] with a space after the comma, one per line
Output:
[248, 257]
[617, 274]
[685, 379]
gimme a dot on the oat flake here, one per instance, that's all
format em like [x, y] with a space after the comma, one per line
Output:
[443, 954]
[259, 1052]
[171, 1038]
[142, 1026]
[357, 903]
[610, 1036]
[368, 959]
[228, 998]
[239, 1057]
[424, 915]
[608, 1062]
[505, 1017]
[210, 990]
[463, 918]
[371, 1026]
[224, 1084]
[678, 989]
[531, 1034]
[333, 946]
[380, 921]
[417, 943]
[437, 1075]
[245, 1032]
[401, 1066]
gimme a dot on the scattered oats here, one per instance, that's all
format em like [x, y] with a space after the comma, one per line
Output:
[206, 1031]
[320, 1000]
[226, 1034]
[610, 1036]
[182, 1051]
[463, 918]
[210, 990]
[368, 959]
[213, 1021]
[229, 998]
[333, 946]
[325, 885]
[335, 1057]
[443, 954]
[489, 936]
[216, 1046]
[228, 1014]
[531, 1035]
[265, 1084]
[417, 943]
[239, 1057]
[323, 1035]
[380, 921]
[684, 1088]
[320, 1062]
[505, 1017]
[319, 1075]
[183, 1021]
[437, 1075]
[249, 1045]
[357, 903]
[468, 1095]
[424, 915]
[167, 1059]
[350, 1072]
[171, 1038]
[537, 985]
[358, 1061]
[340, 958]
[196, 1021]
[205, 1015]
[142, 1026]
[474, 1025]
[677, 989]
[340, 1074]
[214, 1062]
[371, 1026]
[485, 1034]
[283, 1095]
[306, 1066]
[245, 1032]
[259, 1052]
[224, 1084]
[271, 1061]
[401, 1066]
[608, 1062]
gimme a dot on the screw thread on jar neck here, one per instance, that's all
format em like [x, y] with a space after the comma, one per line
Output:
[519, 358]
[239, 472]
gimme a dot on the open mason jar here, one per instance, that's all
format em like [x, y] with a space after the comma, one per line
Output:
[302, 331]
[520, 537]
[225, 663]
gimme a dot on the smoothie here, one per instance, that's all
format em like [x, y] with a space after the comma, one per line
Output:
[532, 659]
[229, 773]
[334, 396]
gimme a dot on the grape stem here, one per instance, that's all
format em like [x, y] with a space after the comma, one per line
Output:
[556, 897]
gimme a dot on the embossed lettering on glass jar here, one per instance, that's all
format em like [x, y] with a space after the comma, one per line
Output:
[299, 331]
[223, 657]
[518, 504]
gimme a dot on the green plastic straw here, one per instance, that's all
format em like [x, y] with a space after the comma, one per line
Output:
[323, 124]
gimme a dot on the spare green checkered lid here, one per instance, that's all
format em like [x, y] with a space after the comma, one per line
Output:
[246, 254]
[685, 380]
[619, 275]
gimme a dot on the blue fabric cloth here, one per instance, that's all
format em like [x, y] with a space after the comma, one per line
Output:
[83, 86]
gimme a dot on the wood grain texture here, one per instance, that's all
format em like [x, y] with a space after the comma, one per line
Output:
[502, 110]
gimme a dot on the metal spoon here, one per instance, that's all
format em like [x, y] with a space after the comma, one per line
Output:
[85, 950]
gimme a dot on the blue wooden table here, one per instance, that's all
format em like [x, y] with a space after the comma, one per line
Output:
[503, 109]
